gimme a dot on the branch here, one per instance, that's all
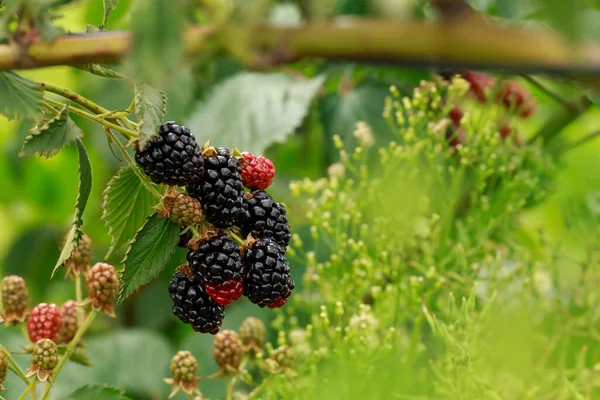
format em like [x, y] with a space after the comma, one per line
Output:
[560, 119]
[469, 42]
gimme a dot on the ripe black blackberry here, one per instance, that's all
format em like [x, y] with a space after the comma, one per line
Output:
[220, 190]
[267, 280]
[266, 219]
[173, 157]
[193, 306]
[218, 265]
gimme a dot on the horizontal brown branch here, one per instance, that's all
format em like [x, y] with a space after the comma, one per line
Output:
[466, 42]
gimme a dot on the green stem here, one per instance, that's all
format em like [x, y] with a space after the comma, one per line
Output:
[260, 387]
[235, 237]
[555, 96]
[134, 167]
[229, 394]
[28, 389]
[582, 141]
[79, 299]
[33, 394]
[15, 367]
[125, 132]
[67, 94]
[70, 347]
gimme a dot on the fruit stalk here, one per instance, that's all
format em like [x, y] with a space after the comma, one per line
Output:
[70, 347]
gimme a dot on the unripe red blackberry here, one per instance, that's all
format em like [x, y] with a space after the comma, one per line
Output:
[227, 351]
[182, 209]
[80, 259]
[220, 190]
[14, 299]
[257, 171]
[44, 358]
[103, 287]
[3, 368]
[218, 265]
[172, 157]
[44, 322]
[69, 326]
[252, 333]
[456, 115]
[267, 280]
[183, 370]
[480, 84]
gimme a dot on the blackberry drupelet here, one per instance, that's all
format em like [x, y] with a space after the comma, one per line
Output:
[193, 306]
[266, 219]
[220, 190]
[218, 265]
[173, 157]
[267, 280]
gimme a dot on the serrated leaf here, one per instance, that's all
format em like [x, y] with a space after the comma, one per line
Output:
[85, 187]
[20, 97]
[254, 110]
[109, 6]
[48, 139]
[150, 108]
[96, 392]
[102, 70]
[148, 253]
[126, 206]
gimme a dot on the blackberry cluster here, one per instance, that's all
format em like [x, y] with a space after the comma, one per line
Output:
[172, 157]
[220, 190]
[266, 219]
[267, 279]
[192, 305]
[217, 264]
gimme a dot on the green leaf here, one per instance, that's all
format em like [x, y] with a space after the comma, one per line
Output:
[85, 187]
[126, 206]
[156, 54]
[81, 357]
[48, 139]
[254, 110]
[341, 112]
[148, 253]
[96, 392]
[104, 71]
[109, 6]
[150, 108]
[20, 97]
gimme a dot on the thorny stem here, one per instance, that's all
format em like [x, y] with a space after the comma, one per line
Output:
[15, 367]
[135, 169]
[67, 94]
[125, 132]
[28, 389]
[79, 299]
[70, 347]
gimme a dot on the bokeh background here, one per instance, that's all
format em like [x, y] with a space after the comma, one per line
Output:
[37, 195]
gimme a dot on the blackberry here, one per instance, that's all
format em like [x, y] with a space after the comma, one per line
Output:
[193, 306]
[218, 265]
[228, 351]
[44, 358]
[173, 157]
[267, 280]
[220, 191]
[266, 219]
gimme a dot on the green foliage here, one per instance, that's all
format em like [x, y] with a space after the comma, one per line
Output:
[48, 138]
[150, 108]
[85, 188]
[253, 110]
[148, 253]
[109, 6]
[96, 392]
[126, 206]
[21, 97]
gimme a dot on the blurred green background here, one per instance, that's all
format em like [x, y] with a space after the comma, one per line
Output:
[37, 195]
